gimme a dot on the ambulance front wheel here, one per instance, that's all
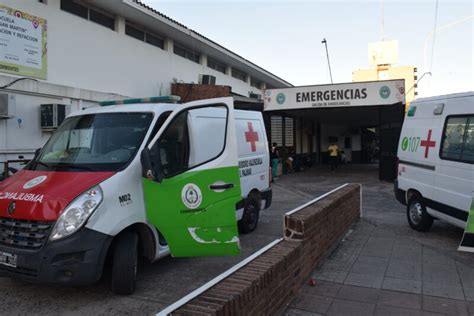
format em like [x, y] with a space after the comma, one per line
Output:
[417, 216]
[249, 220]
[124, 263]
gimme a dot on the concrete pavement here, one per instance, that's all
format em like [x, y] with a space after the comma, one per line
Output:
[382, 267]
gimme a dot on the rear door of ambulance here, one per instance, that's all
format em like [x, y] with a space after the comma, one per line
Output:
[454, 170]
[418, 149]
[193, 206]
[252, 151]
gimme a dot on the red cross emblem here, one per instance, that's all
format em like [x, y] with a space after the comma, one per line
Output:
[251, 137]
[428, 143]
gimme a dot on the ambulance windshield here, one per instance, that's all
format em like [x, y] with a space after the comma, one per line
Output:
[94, 142]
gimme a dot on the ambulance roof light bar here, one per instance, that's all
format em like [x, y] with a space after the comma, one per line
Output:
[158, 99]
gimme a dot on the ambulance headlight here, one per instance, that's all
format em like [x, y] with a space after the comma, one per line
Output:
[77, 213]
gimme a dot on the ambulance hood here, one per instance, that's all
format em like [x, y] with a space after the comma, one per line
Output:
[42, 195]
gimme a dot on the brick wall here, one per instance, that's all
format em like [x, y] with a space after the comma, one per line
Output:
[265, 284]
[191, 92]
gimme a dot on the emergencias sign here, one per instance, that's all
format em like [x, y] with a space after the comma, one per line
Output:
[336, 95]
[22, 43]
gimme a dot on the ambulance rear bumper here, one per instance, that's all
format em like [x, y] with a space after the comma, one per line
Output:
[76, 260]
[400, 194]
[267, 197]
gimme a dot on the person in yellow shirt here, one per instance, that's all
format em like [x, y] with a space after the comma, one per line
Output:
[333, 156]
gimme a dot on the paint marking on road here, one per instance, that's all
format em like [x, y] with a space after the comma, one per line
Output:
[299, 208]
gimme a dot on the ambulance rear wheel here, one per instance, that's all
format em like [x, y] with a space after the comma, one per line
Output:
[125, 263]
[417, 216]
[249, 220]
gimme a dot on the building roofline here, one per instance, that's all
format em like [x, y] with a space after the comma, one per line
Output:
[338, 84]
[179, 26]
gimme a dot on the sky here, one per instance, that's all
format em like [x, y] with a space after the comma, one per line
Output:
[284, 37]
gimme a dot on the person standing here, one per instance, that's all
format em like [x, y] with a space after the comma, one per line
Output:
[274, 160]
[333, 151]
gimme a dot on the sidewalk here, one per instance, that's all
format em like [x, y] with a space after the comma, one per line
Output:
[377, 272]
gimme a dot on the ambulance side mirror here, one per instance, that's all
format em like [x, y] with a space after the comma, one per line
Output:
[151, 166]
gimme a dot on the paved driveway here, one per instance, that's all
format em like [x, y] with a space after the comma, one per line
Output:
[383, 267]
[365, 262]
[159, 284]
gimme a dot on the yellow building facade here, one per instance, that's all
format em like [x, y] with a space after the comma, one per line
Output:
[389, 72]
[382, 56]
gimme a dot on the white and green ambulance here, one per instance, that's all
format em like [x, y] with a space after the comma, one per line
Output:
[144, 178]
[436, 161]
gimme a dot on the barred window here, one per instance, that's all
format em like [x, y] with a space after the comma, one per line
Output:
[216, 65]
[186, 53]
[238, 74]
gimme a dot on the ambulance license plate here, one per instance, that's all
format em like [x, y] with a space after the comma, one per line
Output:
[8, 259]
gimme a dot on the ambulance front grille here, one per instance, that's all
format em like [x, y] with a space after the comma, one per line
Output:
[24, 234]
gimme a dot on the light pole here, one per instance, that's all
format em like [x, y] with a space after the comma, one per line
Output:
[327, 54]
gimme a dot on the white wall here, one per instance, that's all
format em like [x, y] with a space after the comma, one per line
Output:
[340, 132]
[21, 134]
[87, 55]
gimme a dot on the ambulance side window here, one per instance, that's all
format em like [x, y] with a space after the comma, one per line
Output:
[194, 137]
[458, 139]
[174, 146]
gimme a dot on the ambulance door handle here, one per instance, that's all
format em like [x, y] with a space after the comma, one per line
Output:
[221, 186]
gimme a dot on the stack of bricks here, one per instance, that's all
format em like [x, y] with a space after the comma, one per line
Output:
[264, 285]
[192, 92]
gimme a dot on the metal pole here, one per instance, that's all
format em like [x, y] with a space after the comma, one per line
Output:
[327, 54]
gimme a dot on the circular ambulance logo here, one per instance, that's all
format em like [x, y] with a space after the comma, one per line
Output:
[34, 182]
[405, 143]
[384, 92]
[280, 98]
[191, 195]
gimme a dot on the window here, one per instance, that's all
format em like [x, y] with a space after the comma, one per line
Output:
[216, 65]
[134, 32]
[239, 74]
[458, 139]
[155, 41]
[87, 13]
[102, 19]
[289, 132]
[185, 142]
[94, 142]
[276, 128]
[74, 8]
[186, 53]
[255, 83]
[141, 35]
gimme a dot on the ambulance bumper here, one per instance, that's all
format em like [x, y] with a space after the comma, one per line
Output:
[399, 193]
[76, 260]
[267, 196]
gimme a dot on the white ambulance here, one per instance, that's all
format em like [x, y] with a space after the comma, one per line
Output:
[141, 179]
[436, 160]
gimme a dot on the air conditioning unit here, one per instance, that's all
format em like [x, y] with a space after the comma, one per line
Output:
[207, 79]
[4, 106]
[52, 115]
[255, 96]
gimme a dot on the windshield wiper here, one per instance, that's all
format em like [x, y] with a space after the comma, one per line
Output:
[67, 165]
